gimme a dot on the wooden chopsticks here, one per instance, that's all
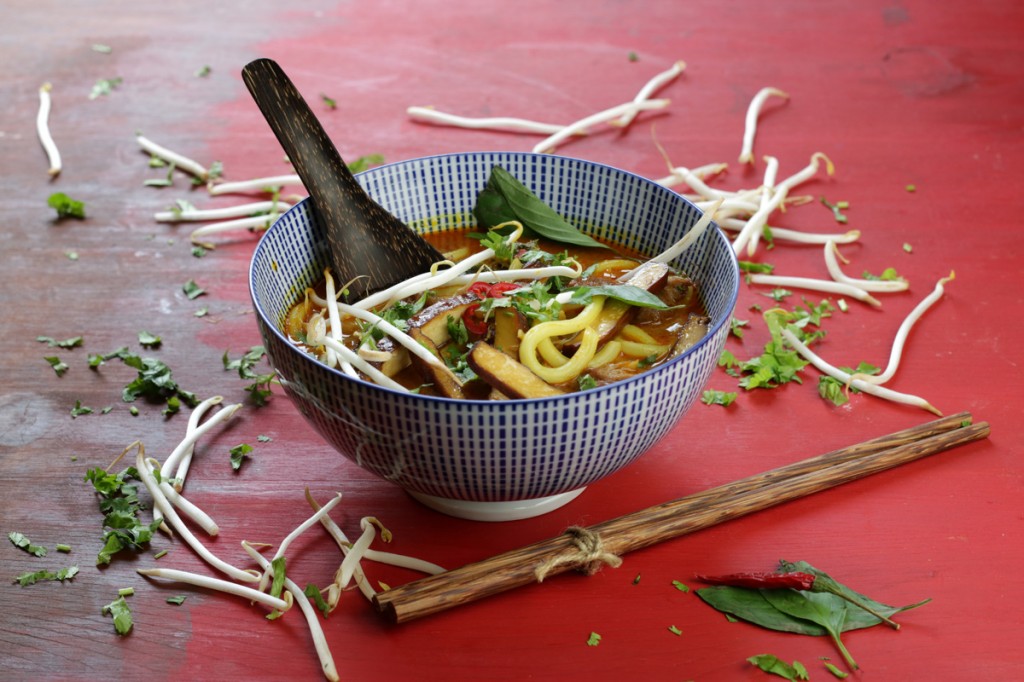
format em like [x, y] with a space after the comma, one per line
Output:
[586, 548]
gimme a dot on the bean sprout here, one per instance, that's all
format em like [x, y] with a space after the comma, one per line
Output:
[261, 222]
[323, 651]
[177, 160]
[505, 123]
[735, 224]
[904, 331]
[209, 583]
[254, 185]
[826, 285]
[858, 384]
[316, 334]
[651, 87]
[549, 143]
[866, 284]
[43, 130]
[750, 125]
[171, 515]
[302, 528]
[181, 456]
[239, 211]
[186, 507]
[749, 235]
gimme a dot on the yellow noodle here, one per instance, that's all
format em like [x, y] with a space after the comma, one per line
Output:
[631, 332]
[528, 348]
[608, 352]
[613, 264]
[643, 350]
[574, 367]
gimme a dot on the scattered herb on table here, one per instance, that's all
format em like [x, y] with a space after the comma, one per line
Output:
[203, 71]
[888, 275]
[104, 87]
[835, 391]
[32, 577]
[832, 668]
[20, 541]
[776, 666]
[176, 600]
[147, 340]
[675, 631]
[714, 397]
[594, 639]
[681, 586]
[827, 607]
[120, 505]
[736, 326]
[79, 409]
[750, 266]
[58, 365]
[238, 454]
[837, 209]
[192, 290]
[259, 389]
[778, 294]
[364, 162]
[314, 593]
[73, 342]
[65, 206]
[101, 48]
[122, 615]
[907, 247]
[329, 102]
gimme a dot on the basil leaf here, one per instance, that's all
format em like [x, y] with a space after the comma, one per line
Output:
[627, 293]
[751, 606]
[505, 198]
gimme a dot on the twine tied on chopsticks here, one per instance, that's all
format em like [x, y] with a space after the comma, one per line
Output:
[589, 556]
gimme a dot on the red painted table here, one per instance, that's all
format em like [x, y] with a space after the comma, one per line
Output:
[911, 93]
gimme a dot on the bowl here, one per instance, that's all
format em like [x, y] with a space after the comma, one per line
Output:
[509, 459]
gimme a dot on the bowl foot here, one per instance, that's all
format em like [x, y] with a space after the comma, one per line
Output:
[497, 511]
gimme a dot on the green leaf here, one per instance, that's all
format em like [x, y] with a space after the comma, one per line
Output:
[278, 566]
[238, 455]
[713, 397]
[192, 290]
[364, 162]
[594, 639]
[104, 87]
[59, 367]
[176, 600]
[122, 615]
[313, 592]
[832, 390]
[682, 587]
[32, 577]
[504, 195]
[65, 206]
[675, 631]
[73, 342]
[751, 606]
[750, 266]
[148, 340]
[826, 610]
[22, 542]
[775, 666]
[79, 409]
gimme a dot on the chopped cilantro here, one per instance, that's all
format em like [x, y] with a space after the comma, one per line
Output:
[198, 251]
[59, 366]
[364, 162]
[263, 439]
[79, 409]
[100, 47]
[238, 455]
[911, 188]
[122, 615]
[71, 255]
[778, 294]
[148, 340]
[329, 102]
[888, 275]
[119, 503]
[594, 639]
[192, 290]
[682, 587]
[586, 382]
[674, 630]
[907, 247]
[22, 542]
[104, 87]
[313, 592]
[65, 206]
[32, 577]
[176, 600]
[632, 56]
[736, 326]
[723, 398]
[63, 548]
[202, 312]
[203, 71]
[73, 342]
[749, 266]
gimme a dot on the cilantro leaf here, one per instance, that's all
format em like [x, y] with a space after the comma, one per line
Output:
[122, 615]
[59, 366]
[238, 455]
[73, 342]
[22, 542]
[32, 577]
[79, 409]
[192, 290]
[774, 665]
[148, 340]
[65, 206]
[723, 398]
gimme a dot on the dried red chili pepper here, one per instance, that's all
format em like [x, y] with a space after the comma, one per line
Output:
[795, 580]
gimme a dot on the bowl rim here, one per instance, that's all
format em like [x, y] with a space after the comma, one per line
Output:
[496, 404]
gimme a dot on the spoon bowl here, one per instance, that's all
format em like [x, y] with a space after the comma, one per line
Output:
[370, 248]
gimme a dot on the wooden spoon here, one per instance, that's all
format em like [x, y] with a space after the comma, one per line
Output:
[365, 240]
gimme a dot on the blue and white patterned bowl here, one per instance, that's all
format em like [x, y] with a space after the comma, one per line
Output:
[497, 460]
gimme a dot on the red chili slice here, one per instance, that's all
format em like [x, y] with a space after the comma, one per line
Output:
[499, 289]
[479, 289]
[474, 325]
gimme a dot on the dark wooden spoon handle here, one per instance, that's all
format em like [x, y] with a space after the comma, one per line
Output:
[365, 239]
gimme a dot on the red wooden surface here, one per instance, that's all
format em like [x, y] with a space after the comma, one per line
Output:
[904, 93]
